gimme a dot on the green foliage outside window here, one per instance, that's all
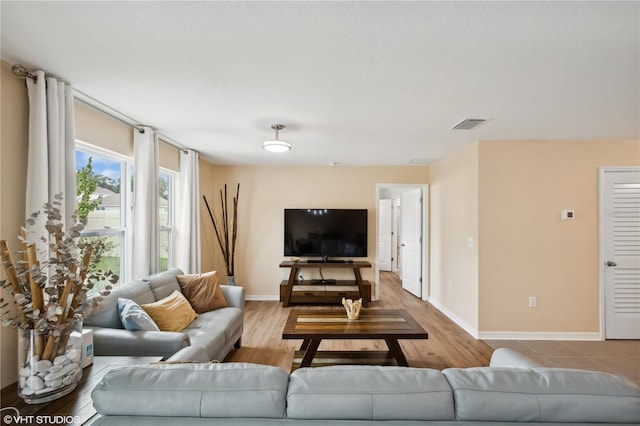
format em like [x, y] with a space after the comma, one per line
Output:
[86, 184]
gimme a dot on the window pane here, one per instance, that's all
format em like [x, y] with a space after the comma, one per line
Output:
[165, 237]
[100, 201]
[163, 202]
[99, 197]
[110, 259]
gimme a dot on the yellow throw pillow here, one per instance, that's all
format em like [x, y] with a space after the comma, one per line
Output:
[173, 313]
[202, 291]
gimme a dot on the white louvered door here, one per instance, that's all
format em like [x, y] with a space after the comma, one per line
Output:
[620, 240]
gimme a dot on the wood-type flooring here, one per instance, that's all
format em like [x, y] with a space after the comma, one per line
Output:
[448, 344]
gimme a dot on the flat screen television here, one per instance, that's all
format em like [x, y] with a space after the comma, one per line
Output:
[325, 232]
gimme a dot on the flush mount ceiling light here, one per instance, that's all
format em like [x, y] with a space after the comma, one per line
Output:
[276, 145]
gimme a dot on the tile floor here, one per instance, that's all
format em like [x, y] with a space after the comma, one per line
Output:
[614, 356]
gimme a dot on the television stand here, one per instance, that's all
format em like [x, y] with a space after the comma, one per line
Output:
[327, 292]
[327, 261]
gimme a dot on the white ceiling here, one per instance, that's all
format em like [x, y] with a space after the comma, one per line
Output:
[357, 83]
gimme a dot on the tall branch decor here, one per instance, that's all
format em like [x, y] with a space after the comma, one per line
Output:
[226, 229]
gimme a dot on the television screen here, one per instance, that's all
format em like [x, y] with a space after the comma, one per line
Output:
[325, 232]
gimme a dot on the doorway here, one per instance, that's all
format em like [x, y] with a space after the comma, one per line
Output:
[620, 252]
[403, 208]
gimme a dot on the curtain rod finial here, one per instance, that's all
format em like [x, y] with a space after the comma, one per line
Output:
[22, 72]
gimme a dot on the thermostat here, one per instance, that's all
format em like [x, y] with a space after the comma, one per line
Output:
[567, 214]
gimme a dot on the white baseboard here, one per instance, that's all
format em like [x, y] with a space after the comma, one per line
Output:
[453, 317]
[538, 335]
[515, 335]
[262, 297]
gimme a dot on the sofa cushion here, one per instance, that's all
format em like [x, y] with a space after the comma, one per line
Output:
[164, 283]
[173, 313]
[202, 291]
[542, 395]
[107, 315]
[228, 319]
[193, 390]
[133, 317]
[369, 393]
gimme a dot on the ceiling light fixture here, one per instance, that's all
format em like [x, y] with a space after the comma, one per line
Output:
[276, 145]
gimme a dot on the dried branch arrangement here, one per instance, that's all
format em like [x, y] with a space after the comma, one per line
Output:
[51, 295]
[223, 227]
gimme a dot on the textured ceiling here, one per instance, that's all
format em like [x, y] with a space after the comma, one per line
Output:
[356, 83]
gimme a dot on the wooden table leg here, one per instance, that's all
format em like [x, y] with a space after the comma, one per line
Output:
[305, 344]
[356, 272]
[312, 348]
[287, 292]
[396, 351]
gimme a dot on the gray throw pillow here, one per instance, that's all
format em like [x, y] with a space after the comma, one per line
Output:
[133, 317]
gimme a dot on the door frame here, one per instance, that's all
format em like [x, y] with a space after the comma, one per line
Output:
[389, 224]
[425, 234]
[601, 249]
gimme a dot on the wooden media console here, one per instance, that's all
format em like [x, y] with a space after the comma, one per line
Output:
[294, 291]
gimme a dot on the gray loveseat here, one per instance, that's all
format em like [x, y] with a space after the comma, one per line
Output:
[510, 391]
[212, 333]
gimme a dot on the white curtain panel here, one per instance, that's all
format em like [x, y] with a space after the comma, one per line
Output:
[188, 226]
[51, 163]
[145, 203]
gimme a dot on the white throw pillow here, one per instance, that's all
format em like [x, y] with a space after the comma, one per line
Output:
[133, 317]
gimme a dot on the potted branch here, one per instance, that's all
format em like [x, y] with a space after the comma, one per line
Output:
[49, 303]
[226, 230]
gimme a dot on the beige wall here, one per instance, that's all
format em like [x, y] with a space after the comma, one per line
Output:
[525, 249]
[454, 219]
[14, 119]
[97, 128]
[266, 191]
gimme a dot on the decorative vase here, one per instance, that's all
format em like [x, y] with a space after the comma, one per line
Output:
[44, 377]
[231, 280]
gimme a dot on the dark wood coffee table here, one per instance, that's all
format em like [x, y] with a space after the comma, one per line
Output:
[312, 326]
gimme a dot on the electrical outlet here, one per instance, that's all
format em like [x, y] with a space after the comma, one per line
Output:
[532, 301]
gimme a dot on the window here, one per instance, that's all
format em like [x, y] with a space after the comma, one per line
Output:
[108, 207]
[165, 218]
[102, 200]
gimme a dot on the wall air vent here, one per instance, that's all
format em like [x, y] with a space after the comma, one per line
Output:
[468, 123]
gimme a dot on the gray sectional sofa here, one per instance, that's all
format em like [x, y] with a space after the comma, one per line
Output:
[511, 391]
[213, 333]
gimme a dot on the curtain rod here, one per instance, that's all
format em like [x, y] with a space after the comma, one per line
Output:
[23, 72]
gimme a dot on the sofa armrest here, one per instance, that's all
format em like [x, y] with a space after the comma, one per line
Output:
[234, 295]
[505, 357]
[119, 342]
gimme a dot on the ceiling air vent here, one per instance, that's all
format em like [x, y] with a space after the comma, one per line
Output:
[468, 123]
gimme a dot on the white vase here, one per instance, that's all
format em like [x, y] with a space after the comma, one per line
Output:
[45, 378]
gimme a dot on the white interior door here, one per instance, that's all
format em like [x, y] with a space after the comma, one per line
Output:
[620, 251]
[411, 241]
[384, 235]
